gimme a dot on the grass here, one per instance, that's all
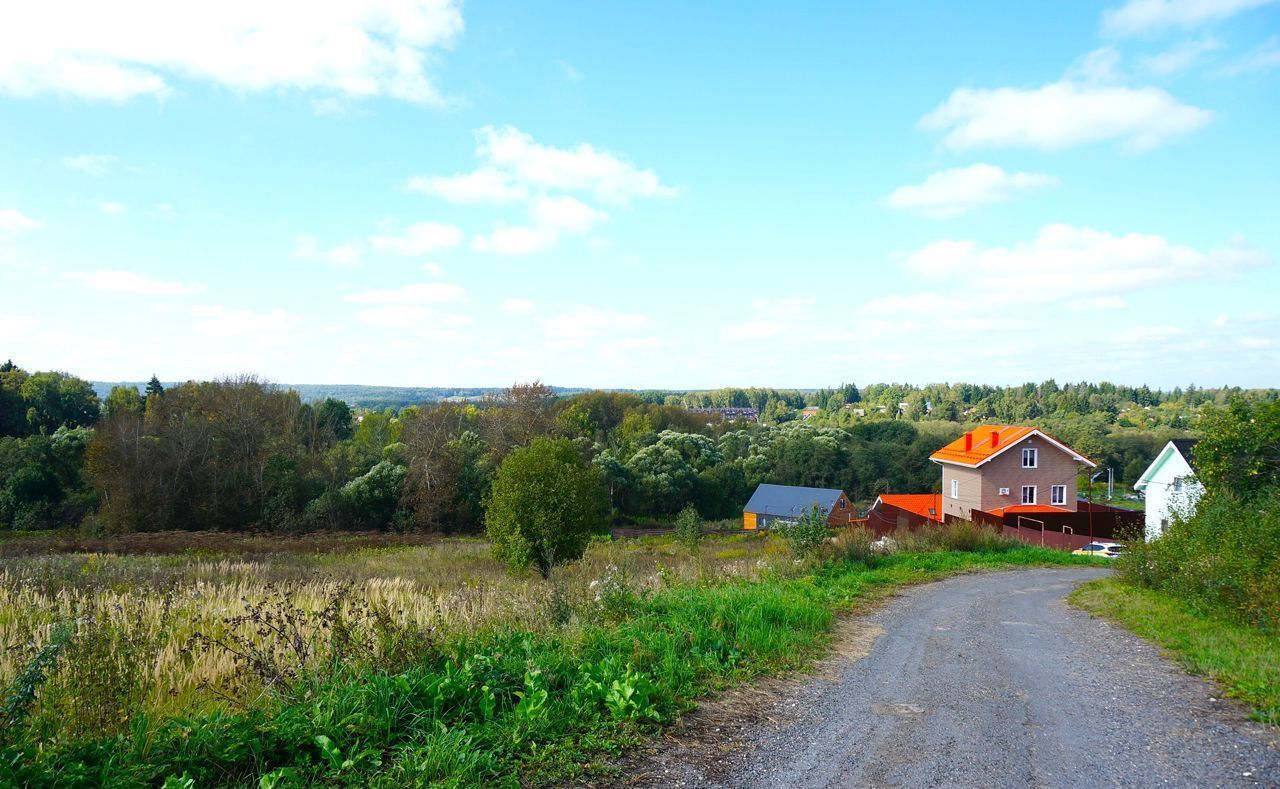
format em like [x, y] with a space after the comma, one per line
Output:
[1122, 490]
[1242, 659]
[413, 664]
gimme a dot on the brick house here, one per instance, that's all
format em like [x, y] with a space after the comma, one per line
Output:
[996, 467]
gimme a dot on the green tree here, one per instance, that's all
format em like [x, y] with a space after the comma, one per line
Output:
[55, 399]
[123, 399]
[13, 413]
[1239, 451]
[689, 527]
[154, 387]
[545, 502]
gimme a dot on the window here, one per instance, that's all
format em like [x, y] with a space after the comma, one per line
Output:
[1028, 494]
[1177, 484]
[955, 488]
[842, 503]
[1030, 458]
[1058, 494]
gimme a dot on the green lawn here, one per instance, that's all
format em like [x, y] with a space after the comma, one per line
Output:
[1098, 490]
[1243, 660]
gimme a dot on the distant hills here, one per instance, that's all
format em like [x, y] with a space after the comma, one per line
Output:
[357, 396]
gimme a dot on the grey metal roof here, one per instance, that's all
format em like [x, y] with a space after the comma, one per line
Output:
[790, 500]
[1186, 448]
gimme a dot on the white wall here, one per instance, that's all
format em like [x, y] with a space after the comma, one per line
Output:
[1165, 498]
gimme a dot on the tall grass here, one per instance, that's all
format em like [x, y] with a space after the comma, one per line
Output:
[410, 665]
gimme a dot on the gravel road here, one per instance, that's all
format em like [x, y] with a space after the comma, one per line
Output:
[989, 680]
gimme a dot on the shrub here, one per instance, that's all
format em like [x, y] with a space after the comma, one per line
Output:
[807, 534]
[1224, 559]
[546, 501]
[689, 527]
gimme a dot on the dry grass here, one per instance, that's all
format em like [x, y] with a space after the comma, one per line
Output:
[138, 613]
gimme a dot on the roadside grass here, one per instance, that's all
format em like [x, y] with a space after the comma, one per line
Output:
[541, 693]
[1242, 659]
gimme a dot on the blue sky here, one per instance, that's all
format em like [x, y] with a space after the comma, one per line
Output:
[678, 195]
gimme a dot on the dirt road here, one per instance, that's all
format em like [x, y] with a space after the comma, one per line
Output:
[987, 680]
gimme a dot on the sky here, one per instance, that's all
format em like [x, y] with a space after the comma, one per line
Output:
[658, 195]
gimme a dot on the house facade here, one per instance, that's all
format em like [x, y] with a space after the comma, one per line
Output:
[770, 504]
[996, 467]
[1170, 486]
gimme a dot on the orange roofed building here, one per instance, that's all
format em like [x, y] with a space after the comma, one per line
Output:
[995, 468]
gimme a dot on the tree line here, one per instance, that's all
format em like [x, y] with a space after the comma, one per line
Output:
[243, 454]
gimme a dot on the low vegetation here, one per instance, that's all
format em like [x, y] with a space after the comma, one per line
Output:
[406, 665]
[1208, 589]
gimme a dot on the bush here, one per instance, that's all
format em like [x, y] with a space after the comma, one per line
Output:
[689, 527]
[807, 534]
[546, 501]
[1224, 559]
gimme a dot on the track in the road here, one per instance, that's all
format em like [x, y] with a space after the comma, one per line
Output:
[993, 680]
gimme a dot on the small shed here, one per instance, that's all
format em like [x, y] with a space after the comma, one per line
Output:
[773, 503]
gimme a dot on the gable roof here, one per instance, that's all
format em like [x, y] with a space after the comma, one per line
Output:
[790, 500]
[926, 505]
[1183, 447]
[1187, 448]
[982, 451]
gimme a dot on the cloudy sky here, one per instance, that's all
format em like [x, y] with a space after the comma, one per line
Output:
[416, 192]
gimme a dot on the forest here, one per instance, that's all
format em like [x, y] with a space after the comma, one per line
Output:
[241, 454]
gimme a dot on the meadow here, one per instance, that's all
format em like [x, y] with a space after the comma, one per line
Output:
[406, 664]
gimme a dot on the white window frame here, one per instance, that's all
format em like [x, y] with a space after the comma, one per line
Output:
[955, 488]
[1034, 454]
[1058, 494]
[1031, 488]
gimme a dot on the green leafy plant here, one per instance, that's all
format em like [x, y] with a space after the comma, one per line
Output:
[808, 534]
[689, 528]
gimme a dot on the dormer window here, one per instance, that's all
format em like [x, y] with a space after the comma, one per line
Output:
[1030, 457]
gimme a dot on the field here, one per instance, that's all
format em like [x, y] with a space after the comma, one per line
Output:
[405, 663]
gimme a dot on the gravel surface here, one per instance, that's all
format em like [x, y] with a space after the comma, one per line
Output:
[983, 680]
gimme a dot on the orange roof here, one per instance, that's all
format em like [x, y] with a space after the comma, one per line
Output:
[982, 449]
[1028, 509]
[926, 505]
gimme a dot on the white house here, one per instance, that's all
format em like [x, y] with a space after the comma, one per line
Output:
[1170, 485]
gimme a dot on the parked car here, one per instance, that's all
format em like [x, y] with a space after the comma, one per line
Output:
[1108, 549]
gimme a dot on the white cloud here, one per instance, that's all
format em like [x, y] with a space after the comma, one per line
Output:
[346, 255]
[792, 317]
[416, 293]
[517, 306]
[131, 282]
[90, 163]
[570, 73]
[581, 322]
[953, 192]
[1180, 56]
[1061, 115]
[218, 321]
[486, 185]
[583, 168]
[164, 210]
[516, 240]
[111, 208]
[1265, 57]
[14, 223]
[434, 269]
[422, 238]
[117, 51]
[410, 316]
[1100, 303]
[1063, 259]
[1136, 17]
[566, 213]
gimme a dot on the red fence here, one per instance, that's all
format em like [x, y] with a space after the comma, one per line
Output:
[1069, 530]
